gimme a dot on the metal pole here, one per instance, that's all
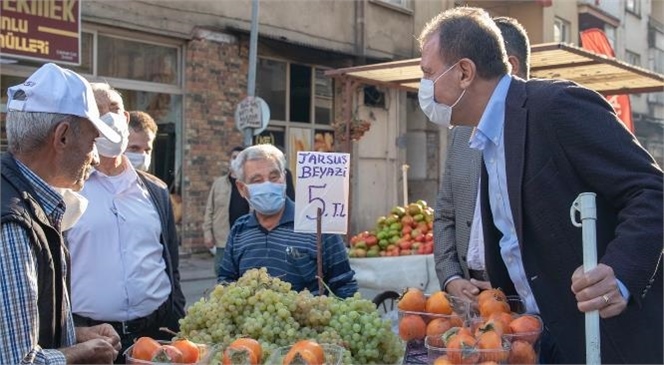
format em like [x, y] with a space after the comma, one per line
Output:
[585, 205]
[319, 250]
[253, 49]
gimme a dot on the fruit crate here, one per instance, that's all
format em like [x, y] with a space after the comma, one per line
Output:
[205, 355]
[333, 355]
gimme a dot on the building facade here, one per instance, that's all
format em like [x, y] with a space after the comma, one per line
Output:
[186, 64]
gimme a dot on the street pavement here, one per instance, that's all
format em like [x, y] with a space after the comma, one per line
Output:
[197, 276]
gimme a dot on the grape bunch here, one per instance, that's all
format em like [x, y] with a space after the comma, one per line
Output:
[266, 309]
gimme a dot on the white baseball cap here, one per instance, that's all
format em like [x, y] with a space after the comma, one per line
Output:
[52, 89]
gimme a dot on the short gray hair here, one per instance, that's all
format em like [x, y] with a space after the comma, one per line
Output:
[27, 131]
[258, 152]
[105, 89]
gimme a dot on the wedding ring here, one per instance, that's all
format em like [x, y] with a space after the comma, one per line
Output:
[606, 298]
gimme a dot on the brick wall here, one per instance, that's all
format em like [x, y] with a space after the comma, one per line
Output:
[216, 80]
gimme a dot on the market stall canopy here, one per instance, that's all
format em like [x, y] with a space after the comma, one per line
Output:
[552, 60]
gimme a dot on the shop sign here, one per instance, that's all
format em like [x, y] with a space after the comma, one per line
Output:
[41, 30]
[322, 182]
[252, 113]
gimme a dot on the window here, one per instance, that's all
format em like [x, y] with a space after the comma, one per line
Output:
[561, 30]
[633, 6]
[301, 101]
[400, 3]
[610, 32]
[140, 61]
[295, 92]
[633, 58]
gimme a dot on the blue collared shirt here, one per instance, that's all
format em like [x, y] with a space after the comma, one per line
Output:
[489, 138]
[288, 255]
[19, 314]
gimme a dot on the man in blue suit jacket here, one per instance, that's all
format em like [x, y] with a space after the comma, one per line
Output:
[543, 143]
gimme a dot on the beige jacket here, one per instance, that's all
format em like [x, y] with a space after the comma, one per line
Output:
[215, 222]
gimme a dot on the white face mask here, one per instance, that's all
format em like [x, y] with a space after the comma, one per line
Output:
[140, 161]
[437, 113]
[76, 206]
[118, 123]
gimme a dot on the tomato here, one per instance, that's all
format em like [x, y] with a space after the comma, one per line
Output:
[144, 348]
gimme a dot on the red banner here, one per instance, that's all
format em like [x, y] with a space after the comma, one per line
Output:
[595, 40]
[42, 30]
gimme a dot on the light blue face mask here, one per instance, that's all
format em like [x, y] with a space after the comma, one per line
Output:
[437, 113]
[267, 198]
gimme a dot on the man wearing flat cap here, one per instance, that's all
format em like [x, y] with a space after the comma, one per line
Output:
[52, 123]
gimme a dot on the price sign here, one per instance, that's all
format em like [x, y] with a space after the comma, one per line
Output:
[322, 182]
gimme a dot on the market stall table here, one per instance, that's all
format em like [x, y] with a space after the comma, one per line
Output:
[380, 274]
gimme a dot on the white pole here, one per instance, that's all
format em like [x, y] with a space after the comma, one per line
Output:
[585, 205]
[404, 178]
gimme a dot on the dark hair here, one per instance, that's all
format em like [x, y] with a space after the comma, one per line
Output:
[466, 32]
[142, 121]
[516, 42]
[236, 149]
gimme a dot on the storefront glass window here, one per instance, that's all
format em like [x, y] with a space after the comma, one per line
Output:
[138, 61]
[271, 86]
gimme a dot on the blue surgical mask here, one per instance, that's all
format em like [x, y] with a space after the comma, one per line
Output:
[267, 198]
[437, 113]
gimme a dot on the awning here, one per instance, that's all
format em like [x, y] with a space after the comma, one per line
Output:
[552, 60]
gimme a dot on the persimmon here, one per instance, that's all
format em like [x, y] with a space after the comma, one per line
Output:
[442, 360]
[190, 352]
[492, 325]
[503, 317]
[521, 352]
[456, 320]
[493, 305]
[438, 326]
[412, 327]
[144, 348]
[412, 300]
[438, 303]
[251, 344]
[491, 293]
[491, 345]
[167, 354]
[526, 327]
[239, 354]
[301, 357]
[461, 350]
[314, 347]
[455, 331]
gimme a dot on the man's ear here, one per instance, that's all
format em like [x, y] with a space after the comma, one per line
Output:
[242, 188]
[468, 72]
[126, 114]
[516, 65]
[62, 136]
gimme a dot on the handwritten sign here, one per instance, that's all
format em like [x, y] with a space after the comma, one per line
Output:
[252, 113]
[322, 182]
[41, 30]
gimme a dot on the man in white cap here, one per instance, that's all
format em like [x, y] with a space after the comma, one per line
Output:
[52, 123]
[130, 278]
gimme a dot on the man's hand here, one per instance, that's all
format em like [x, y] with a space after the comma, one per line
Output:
[209, 243]
[598, 289]
[96, 351]
[462, 288]
[104, 331]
